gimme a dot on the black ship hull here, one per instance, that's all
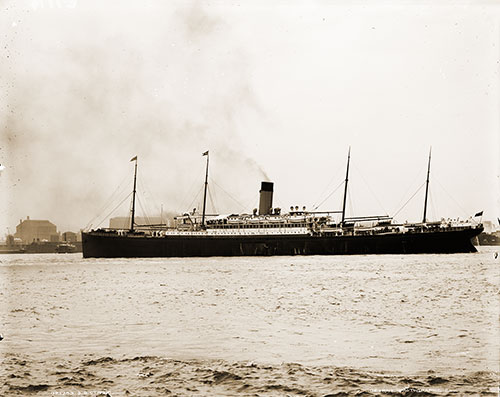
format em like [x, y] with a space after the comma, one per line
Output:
[111, 245]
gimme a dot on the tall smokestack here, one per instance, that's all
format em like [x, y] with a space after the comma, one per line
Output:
[266, 198]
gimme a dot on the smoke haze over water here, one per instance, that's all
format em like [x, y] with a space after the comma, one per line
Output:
[86, 88]
[278, 90]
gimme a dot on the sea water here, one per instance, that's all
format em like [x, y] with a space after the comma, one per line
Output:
[256, 326]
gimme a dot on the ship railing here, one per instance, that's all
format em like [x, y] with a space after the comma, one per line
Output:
[105, 230]
[261, 225]
[404, 228]
[368, 218]
[238, 232]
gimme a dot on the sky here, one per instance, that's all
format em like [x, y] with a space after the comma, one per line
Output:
[276, 91]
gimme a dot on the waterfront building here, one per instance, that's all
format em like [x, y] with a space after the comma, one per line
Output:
[30, 230]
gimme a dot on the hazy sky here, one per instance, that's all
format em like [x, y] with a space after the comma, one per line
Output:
[276, 90]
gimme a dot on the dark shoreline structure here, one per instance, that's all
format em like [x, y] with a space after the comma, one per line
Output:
[488, 238]
[43, 247]
[268, 232]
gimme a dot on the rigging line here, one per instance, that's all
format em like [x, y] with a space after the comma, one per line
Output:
[337, 172]
[276, 200]
[110, 200]
[140, 191]
[145, 214]
[140, 207]
[154, 199]
[114, 209]
[327, 197]
[118, 191]
[147, 192]
[433, 209]
[404, 205]
[350, 201]
[409, 188]
[211, 200]
[194, 199]
[129, 213]
[369, 188]
[456, 202]
[213, 197]
[151, 210]
[189, 193]
[230, 196]
[254, 199]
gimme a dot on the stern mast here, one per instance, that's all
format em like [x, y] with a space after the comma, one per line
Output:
[345, 188]
[427, 186]
[132, 220]
[205, 194]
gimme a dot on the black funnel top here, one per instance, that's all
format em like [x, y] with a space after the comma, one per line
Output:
[266, 186]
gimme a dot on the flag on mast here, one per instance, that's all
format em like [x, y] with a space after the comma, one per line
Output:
[479, 214]
[133, 158]
[205, 154]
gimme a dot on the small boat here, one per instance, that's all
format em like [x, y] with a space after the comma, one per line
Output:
[65, 248]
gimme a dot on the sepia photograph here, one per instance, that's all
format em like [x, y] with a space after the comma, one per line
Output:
[249, 198]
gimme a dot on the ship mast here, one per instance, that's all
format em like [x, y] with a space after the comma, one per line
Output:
[205, 193]
[133, 195]
[427, 185]
[345, 187]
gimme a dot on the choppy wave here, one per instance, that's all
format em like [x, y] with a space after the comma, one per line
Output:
[157, 376]
[415, 325]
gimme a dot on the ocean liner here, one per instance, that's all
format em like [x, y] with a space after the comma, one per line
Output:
[268, 231]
